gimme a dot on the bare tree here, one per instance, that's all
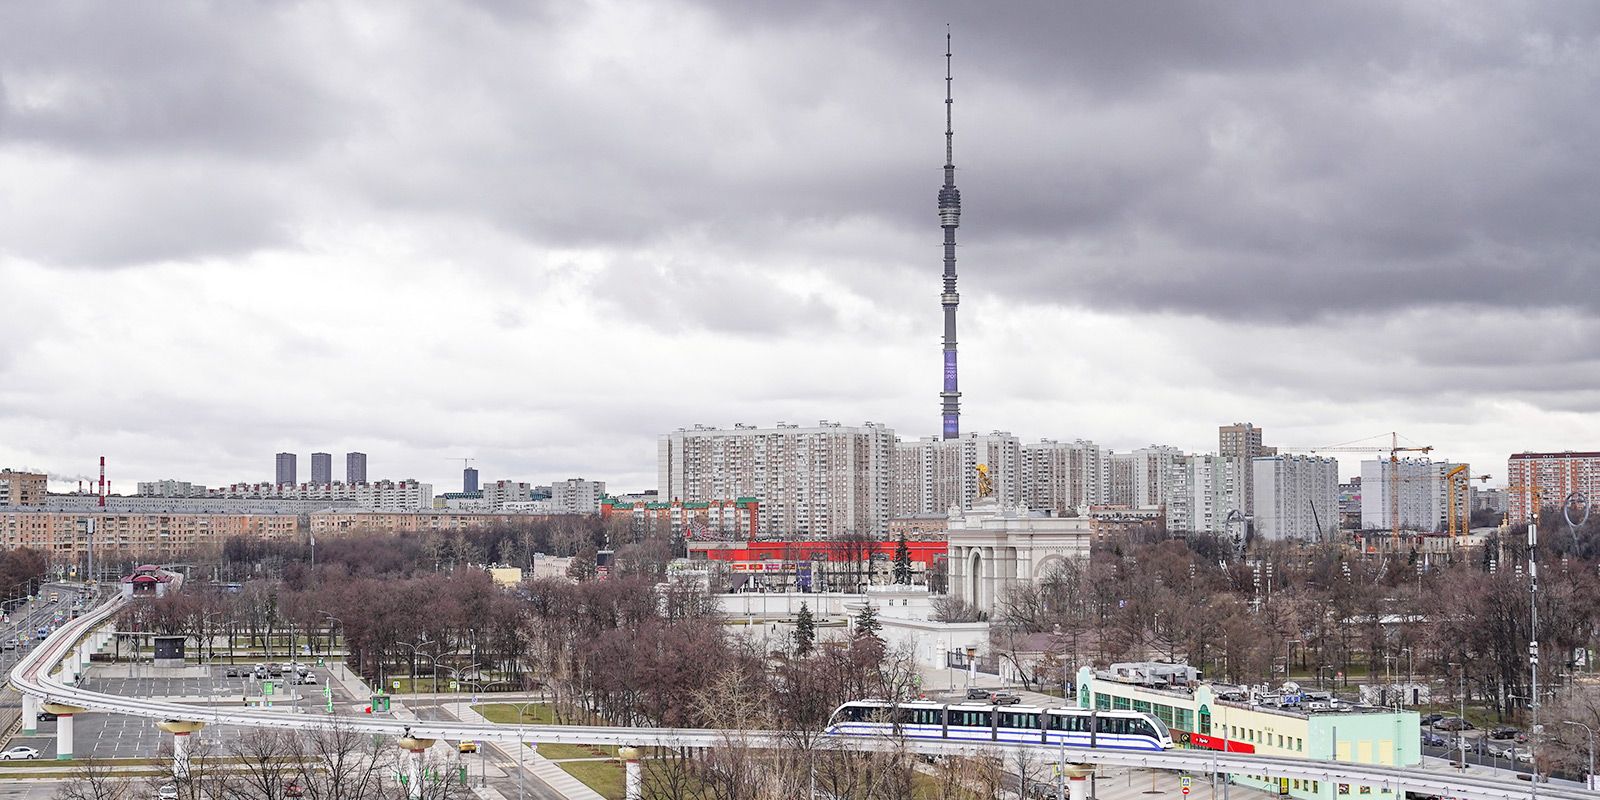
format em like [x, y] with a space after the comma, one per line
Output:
[94, 780]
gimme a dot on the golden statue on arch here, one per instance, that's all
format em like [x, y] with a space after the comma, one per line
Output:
[985, 483]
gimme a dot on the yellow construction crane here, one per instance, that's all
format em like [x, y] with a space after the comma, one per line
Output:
[1394, 450]
[1457, 476]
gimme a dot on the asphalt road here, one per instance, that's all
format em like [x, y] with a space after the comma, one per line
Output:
[24, 621]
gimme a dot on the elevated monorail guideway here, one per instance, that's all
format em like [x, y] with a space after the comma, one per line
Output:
[39, 676]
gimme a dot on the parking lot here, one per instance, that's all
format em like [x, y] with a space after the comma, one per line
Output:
[116, 736]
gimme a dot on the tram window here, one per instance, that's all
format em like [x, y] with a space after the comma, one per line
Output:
[856, 713]
[921, 716]
[1009, 719]
[1077, 723]
[1112, 725]
[969, 719]
[1141, 727]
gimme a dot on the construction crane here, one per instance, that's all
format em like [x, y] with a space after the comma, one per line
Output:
[1457, 477]
[1394, 450]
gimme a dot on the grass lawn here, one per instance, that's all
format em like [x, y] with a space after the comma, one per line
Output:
[541, 714]
[604, 777]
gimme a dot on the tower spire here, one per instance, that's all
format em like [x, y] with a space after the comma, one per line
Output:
[949, 219]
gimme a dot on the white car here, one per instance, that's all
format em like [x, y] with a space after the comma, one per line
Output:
[19, 753]
[167, 792]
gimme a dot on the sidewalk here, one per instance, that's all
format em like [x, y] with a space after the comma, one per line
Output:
[542, 768]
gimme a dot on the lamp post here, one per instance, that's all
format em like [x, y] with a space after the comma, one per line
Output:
[416, 652]
[1588, 781]
[1461, 697]
[1407, 651]
[522, 746]
[455, 675]
[336, 622]
[211, 652]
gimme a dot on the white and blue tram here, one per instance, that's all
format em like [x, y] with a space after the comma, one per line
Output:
[980, 722]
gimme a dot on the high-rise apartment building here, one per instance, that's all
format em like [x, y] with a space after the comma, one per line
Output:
[355, 467]
[287, 471]
[321, 468]
[825, 481]
[22, 488]
[1119, 479]
[1152, 474]
[1419, 486]
[1242, 442]
[497, 494]
[1556, 475]
[933, 475]
[1297, 497]
[1060, 477]
[576, 496]
[1202, 490]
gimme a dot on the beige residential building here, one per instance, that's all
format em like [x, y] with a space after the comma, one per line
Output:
[1242, 443]
[1556, 475]
[64, 535]
[22, 488]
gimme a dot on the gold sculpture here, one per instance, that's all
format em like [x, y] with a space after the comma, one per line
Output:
[985, 483]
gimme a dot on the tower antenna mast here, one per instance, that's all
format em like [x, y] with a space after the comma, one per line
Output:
[949, 220]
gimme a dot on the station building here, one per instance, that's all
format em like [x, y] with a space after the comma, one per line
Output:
[1291, 723]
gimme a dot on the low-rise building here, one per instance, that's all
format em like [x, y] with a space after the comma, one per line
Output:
[65, 535]
[738, 519]
[993, 547]
[1289, 722]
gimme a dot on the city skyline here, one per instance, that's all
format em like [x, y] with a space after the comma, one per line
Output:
[1173, 223]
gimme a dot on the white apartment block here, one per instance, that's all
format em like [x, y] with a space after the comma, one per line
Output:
[1202, 490]
[406, 495]
[576, 496]
[1152, 474]
[496, 494]
[1420, 486]
[1061, 477]
[1296, 497]
[820, 482]
[933, 475]
[170, 488]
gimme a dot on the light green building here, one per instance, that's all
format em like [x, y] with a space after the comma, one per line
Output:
[1283, 724]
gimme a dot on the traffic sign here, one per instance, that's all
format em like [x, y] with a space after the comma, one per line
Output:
[266, 687]
[1185, 782]
[454, 686]
[396, 686]
[1185, 791]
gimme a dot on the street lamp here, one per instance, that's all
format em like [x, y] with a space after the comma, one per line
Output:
[1407, 651]
[1461, 697]
[416, 652]
[211, 653]
[1588, 779]
[331, 628]
[522, 746]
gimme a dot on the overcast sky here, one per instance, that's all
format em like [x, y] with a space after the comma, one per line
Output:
[540, 236]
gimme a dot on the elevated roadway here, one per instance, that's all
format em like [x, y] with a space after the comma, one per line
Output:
[46, 675]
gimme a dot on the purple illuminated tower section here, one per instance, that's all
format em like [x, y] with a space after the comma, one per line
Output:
[949, 219]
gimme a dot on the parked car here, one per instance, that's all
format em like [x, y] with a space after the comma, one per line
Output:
[1005, 699]
[975, 693]
[20, 753]
[233, 672]
[46, 716]
[1453, 724]
[1523, 755]
[1431, 739]
[167, 792]
[1504, 732]
[1431, 719]
[310, 679]
[293, 790]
